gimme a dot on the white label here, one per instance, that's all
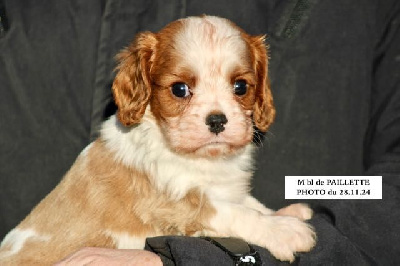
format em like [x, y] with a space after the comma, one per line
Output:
[333, 187]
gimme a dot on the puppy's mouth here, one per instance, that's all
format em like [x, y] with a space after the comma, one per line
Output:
[216, 144]
[217, 148]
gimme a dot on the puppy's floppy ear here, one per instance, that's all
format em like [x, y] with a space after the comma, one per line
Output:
[264, 110]
[132, 85]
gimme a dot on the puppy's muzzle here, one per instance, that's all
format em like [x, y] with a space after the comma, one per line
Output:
[216, 122]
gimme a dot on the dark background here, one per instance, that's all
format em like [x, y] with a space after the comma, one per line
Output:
[335, 78]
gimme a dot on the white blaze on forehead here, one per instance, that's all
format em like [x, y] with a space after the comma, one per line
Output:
[211, 45]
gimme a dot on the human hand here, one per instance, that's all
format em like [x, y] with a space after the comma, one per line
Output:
[110, 257]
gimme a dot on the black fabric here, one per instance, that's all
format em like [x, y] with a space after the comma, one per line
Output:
[240, 252]
[178, 250]
[47, 65]
[335, 78]
[3, 20]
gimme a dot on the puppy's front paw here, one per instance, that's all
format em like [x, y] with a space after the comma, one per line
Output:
[286, 236]
[299, 210]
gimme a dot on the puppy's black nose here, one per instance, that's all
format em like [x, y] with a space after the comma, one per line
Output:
[216, 122]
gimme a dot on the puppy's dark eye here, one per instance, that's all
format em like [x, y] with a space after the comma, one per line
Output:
[180, 90]
[240, 87]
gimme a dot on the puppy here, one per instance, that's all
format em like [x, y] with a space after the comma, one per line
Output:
[177, 157]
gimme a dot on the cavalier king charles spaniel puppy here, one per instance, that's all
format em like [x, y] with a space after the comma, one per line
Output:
[176, 159]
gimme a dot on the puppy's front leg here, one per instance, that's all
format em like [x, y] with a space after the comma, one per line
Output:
[299, 210]
[253, 203]
[283, 236]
